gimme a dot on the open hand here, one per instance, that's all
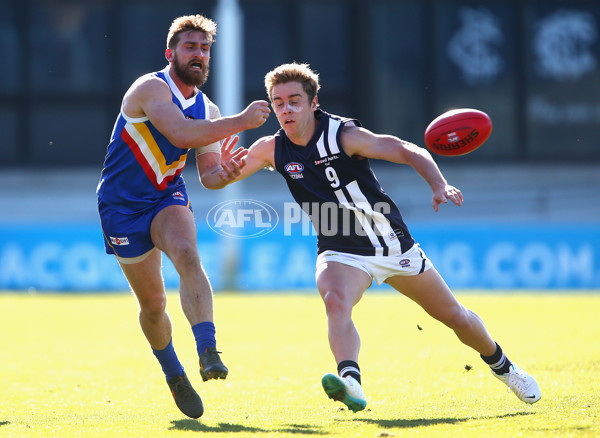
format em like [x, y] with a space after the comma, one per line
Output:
[232, 160]
[446, 193]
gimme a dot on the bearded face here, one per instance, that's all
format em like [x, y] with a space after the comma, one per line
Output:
[193, 72]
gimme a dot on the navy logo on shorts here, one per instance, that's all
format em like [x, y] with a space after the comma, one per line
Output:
[405, 263]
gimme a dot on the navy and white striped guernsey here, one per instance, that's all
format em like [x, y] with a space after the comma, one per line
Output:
[348, 208]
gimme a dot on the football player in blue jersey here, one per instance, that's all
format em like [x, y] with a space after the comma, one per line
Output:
[142, 199]
[362, 237]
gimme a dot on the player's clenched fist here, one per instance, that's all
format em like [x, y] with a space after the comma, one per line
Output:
[256, 113]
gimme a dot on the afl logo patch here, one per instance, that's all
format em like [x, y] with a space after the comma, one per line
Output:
[405, 263]
[293, 168]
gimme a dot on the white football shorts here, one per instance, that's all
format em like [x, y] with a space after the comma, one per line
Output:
[380, 268]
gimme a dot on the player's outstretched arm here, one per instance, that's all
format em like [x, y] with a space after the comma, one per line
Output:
[362, 142]
[233, 165]
[218, 168]
[150, 97]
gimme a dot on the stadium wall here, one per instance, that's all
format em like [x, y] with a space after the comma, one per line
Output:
[532, 65]
[494, 256]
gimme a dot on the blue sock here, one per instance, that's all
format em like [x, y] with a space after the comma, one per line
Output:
[168, 361]
[204, 332]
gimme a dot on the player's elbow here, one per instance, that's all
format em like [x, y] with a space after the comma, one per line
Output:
[185, 139]
[211, 182]
[213, 186]
[179, 140]
[413, 154]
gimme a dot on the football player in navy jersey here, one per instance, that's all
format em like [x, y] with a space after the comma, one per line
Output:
[362, 237]
[143, 203]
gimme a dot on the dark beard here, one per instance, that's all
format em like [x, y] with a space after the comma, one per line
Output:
[188, 77]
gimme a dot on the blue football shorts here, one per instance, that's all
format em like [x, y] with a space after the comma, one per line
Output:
[380, 268]
[127, 235]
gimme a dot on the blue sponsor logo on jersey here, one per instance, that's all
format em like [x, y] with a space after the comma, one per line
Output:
[294, 168]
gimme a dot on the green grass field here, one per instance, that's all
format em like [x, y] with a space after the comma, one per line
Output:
[78, 365]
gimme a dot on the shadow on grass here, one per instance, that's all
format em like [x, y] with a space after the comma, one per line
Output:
[197, 426]
[556, 430]
[305, 429]
[424, 422]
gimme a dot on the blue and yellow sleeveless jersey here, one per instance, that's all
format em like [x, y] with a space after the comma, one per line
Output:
[141, 166]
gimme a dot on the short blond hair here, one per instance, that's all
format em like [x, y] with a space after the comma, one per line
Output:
[293, 72]
[187, 23]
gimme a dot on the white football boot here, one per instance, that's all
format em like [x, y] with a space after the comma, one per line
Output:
[522, 384]
[346, 390]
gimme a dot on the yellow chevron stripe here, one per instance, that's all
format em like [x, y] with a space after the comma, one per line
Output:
[150, 145]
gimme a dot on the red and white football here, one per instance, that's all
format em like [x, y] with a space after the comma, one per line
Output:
[458, 132]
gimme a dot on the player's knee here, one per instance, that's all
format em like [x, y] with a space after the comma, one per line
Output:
[457, 318]
[185, 255]
[154, 307]
[335, 303]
